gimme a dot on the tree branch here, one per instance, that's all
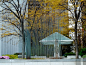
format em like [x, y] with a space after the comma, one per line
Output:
[10, 10]
[67, 9]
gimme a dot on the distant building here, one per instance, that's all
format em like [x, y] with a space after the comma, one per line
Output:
[12, 44]
[9, 44]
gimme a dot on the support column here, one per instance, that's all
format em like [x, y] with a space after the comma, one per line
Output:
[59, 49]
[56, 49]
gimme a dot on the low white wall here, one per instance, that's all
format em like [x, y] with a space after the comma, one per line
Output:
[72, 56]
[43, 62]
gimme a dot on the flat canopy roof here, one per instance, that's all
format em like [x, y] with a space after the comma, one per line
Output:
[56, 37]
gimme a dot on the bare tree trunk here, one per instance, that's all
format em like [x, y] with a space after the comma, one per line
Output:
[76, 44]
[23, 38]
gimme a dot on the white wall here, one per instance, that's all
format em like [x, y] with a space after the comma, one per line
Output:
[10, 45]
[0, 46]
[0, 27]
[43, 62]
[7, 44]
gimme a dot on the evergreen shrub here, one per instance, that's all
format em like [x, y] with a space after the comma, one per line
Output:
[82, 52]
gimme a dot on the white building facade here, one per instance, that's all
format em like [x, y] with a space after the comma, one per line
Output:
[9, 44]
[72, 23]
